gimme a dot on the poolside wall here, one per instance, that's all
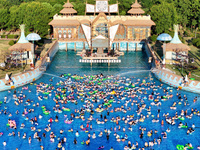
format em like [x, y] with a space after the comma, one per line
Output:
[32, 75]
[176, 81]
[122, 46]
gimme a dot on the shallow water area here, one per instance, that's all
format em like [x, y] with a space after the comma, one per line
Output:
[134, 64]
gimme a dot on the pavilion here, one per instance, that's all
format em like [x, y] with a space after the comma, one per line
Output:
[176, 50]
[22, 49]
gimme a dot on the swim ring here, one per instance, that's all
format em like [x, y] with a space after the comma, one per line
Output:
[180, 147]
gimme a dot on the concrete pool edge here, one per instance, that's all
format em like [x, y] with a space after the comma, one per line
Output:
[32, 75]
[174, 80]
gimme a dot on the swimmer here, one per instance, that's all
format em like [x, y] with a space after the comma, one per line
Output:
[4, 143]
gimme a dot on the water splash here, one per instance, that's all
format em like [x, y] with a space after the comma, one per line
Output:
[53, 75]
[132, 72]
[9, 99]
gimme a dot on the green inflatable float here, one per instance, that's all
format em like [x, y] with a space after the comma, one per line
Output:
[180, 147]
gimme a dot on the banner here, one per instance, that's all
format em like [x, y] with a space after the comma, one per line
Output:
[113, 8]
[87, 32]
[102, 6]
[90, 8]
[113, 31]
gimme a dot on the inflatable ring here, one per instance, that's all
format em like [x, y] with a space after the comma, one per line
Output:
[180, 87]
[180, 147]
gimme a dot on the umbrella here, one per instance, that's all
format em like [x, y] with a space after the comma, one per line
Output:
[33, 37]
[164, 37]
[6, 77]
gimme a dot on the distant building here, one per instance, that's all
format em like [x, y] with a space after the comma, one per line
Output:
[123, 32]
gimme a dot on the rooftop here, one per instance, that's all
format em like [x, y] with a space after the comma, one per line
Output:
[136, 5]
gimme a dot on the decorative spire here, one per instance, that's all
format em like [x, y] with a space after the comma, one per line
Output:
[136, 5]
[22, 37]
[68, 9]
[136, 9]
[176, 39]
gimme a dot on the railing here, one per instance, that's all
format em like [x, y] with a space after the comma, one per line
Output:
[154, 55]
[42, 61]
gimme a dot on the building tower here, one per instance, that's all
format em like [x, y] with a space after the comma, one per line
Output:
[136, 9]
[68, 9]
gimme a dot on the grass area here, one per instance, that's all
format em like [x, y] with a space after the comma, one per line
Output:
[183, 71]
[16, 70]
[4, 49]
[13, 70]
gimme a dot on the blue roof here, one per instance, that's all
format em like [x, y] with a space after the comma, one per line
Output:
[22, 37]
[164, 37]
[176, 39]
[33, 37]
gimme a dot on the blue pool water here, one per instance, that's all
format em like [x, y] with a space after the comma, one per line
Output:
[134, 64]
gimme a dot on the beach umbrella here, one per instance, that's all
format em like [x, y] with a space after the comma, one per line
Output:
[6, 77]
[33, 37]
[164, 37]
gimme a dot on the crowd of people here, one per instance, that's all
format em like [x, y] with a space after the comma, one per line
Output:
[103, 107]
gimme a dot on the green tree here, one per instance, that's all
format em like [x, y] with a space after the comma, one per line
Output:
[4, 18]
[164, 15]
[57, 8]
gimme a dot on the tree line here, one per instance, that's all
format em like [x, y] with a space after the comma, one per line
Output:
[36, 14]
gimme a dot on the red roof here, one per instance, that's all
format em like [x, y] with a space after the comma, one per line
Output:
[136, 11]
[64, 23]
[68, 5]
[139, 22]
[68, 11]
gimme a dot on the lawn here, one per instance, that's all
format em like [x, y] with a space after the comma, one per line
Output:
[4, 49]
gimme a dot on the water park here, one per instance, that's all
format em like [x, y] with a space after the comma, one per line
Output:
[99, 86]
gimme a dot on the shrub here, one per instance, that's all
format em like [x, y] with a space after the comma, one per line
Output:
[12, 36]
[196, 42]
[3, 36]
[153, 38]
[185, 33]
[11, 42]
